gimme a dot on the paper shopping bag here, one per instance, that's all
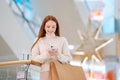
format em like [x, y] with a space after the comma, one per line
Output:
[60, 71]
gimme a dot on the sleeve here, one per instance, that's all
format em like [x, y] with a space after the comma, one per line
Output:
[65, 56]
[36, 55]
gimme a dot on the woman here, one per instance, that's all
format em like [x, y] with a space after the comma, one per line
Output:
[49, 45]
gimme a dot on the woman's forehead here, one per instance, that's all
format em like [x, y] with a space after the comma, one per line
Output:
[50, 22]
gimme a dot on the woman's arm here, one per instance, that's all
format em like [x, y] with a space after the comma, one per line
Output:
[65, 56]
[36, 55]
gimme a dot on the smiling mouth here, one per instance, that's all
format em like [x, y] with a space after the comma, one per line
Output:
[50, 31]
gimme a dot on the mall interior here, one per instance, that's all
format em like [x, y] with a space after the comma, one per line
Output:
[92, 28]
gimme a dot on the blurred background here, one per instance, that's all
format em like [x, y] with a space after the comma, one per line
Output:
[20, 21]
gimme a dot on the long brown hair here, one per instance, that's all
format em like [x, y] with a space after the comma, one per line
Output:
[42, 31]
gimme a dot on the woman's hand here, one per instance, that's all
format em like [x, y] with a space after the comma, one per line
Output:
[53, 52]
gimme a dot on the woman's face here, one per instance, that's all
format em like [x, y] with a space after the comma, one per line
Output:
[50, 27]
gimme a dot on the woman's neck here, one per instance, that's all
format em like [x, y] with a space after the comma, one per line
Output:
[50, 35]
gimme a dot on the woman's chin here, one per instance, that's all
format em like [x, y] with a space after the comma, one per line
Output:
[50, 33]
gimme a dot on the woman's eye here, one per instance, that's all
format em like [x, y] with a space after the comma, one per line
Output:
[48, 26]
[53, 26]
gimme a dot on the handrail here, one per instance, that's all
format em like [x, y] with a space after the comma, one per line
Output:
[20, 62]
[36, 63]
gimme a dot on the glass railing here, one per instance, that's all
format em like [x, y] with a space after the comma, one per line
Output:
[19, 70]
[30, 70]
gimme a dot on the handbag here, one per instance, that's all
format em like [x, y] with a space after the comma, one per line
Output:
[59, 71]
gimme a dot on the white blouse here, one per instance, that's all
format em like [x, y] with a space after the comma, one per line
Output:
[40, 51]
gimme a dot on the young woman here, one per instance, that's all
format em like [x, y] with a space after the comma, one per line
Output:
[49, 45]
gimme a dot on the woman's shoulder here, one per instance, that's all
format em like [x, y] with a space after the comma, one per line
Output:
[62, 38]
[38, 39]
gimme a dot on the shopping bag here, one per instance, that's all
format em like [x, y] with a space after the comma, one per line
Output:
[60, 71]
